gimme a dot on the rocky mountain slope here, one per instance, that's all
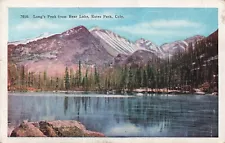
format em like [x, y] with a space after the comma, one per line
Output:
[181, 45]
[146, 44]
[114, 43]
[140, 57]
[92, 47]
[42, 36]
[56, 52]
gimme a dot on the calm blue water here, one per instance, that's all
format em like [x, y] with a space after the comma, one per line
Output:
[153, 115]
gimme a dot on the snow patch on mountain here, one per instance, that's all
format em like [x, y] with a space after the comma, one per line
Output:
[146, 44]
[118, 44]
[181, 45]
[44, 35]
[73, 31]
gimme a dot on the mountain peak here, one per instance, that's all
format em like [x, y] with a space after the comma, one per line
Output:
[94, 28]
[194, 38]
[147, 44]
[180, 45]
[75, 30]
[142, 40]
[197, 36]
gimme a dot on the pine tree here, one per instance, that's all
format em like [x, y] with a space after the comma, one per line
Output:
[67, 79]
[32, 79]
[39, 80]
[72, 78]
[130, 80]
[57, 83]
[123, 81]
[45, 80]
[86, 80]
[79, 74]
[29, 79]
[145, 79]
[96, 77]
[138, 78]
[22, 75]
[51, 83]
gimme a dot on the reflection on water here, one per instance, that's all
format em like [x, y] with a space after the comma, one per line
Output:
[65, 104]
[177, 116]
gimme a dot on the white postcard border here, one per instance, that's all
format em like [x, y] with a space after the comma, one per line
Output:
[4, 4]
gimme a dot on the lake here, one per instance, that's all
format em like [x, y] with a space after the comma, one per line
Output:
[155, 115]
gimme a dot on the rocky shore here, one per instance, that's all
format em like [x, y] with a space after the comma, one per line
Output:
[58, 128]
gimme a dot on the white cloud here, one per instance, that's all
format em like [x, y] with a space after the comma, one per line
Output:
[40, 24]
[162, 27]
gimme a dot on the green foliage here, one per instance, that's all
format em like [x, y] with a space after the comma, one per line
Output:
[67, 79]
[197, 67]
[79, 74]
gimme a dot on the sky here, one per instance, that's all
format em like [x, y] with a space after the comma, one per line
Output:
[159, 25]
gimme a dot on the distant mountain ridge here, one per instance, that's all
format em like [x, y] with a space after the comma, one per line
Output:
[181, 45]
[42, 36]
[92, 47]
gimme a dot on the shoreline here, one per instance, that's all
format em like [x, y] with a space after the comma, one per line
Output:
[138, 92]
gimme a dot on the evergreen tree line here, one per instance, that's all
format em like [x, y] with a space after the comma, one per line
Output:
[197, 67]
[21, 79]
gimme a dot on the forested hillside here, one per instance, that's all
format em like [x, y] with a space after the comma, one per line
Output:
[196, 67]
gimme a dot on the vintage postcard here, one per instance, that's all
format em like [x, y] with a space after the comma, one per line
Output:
[86, 73]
